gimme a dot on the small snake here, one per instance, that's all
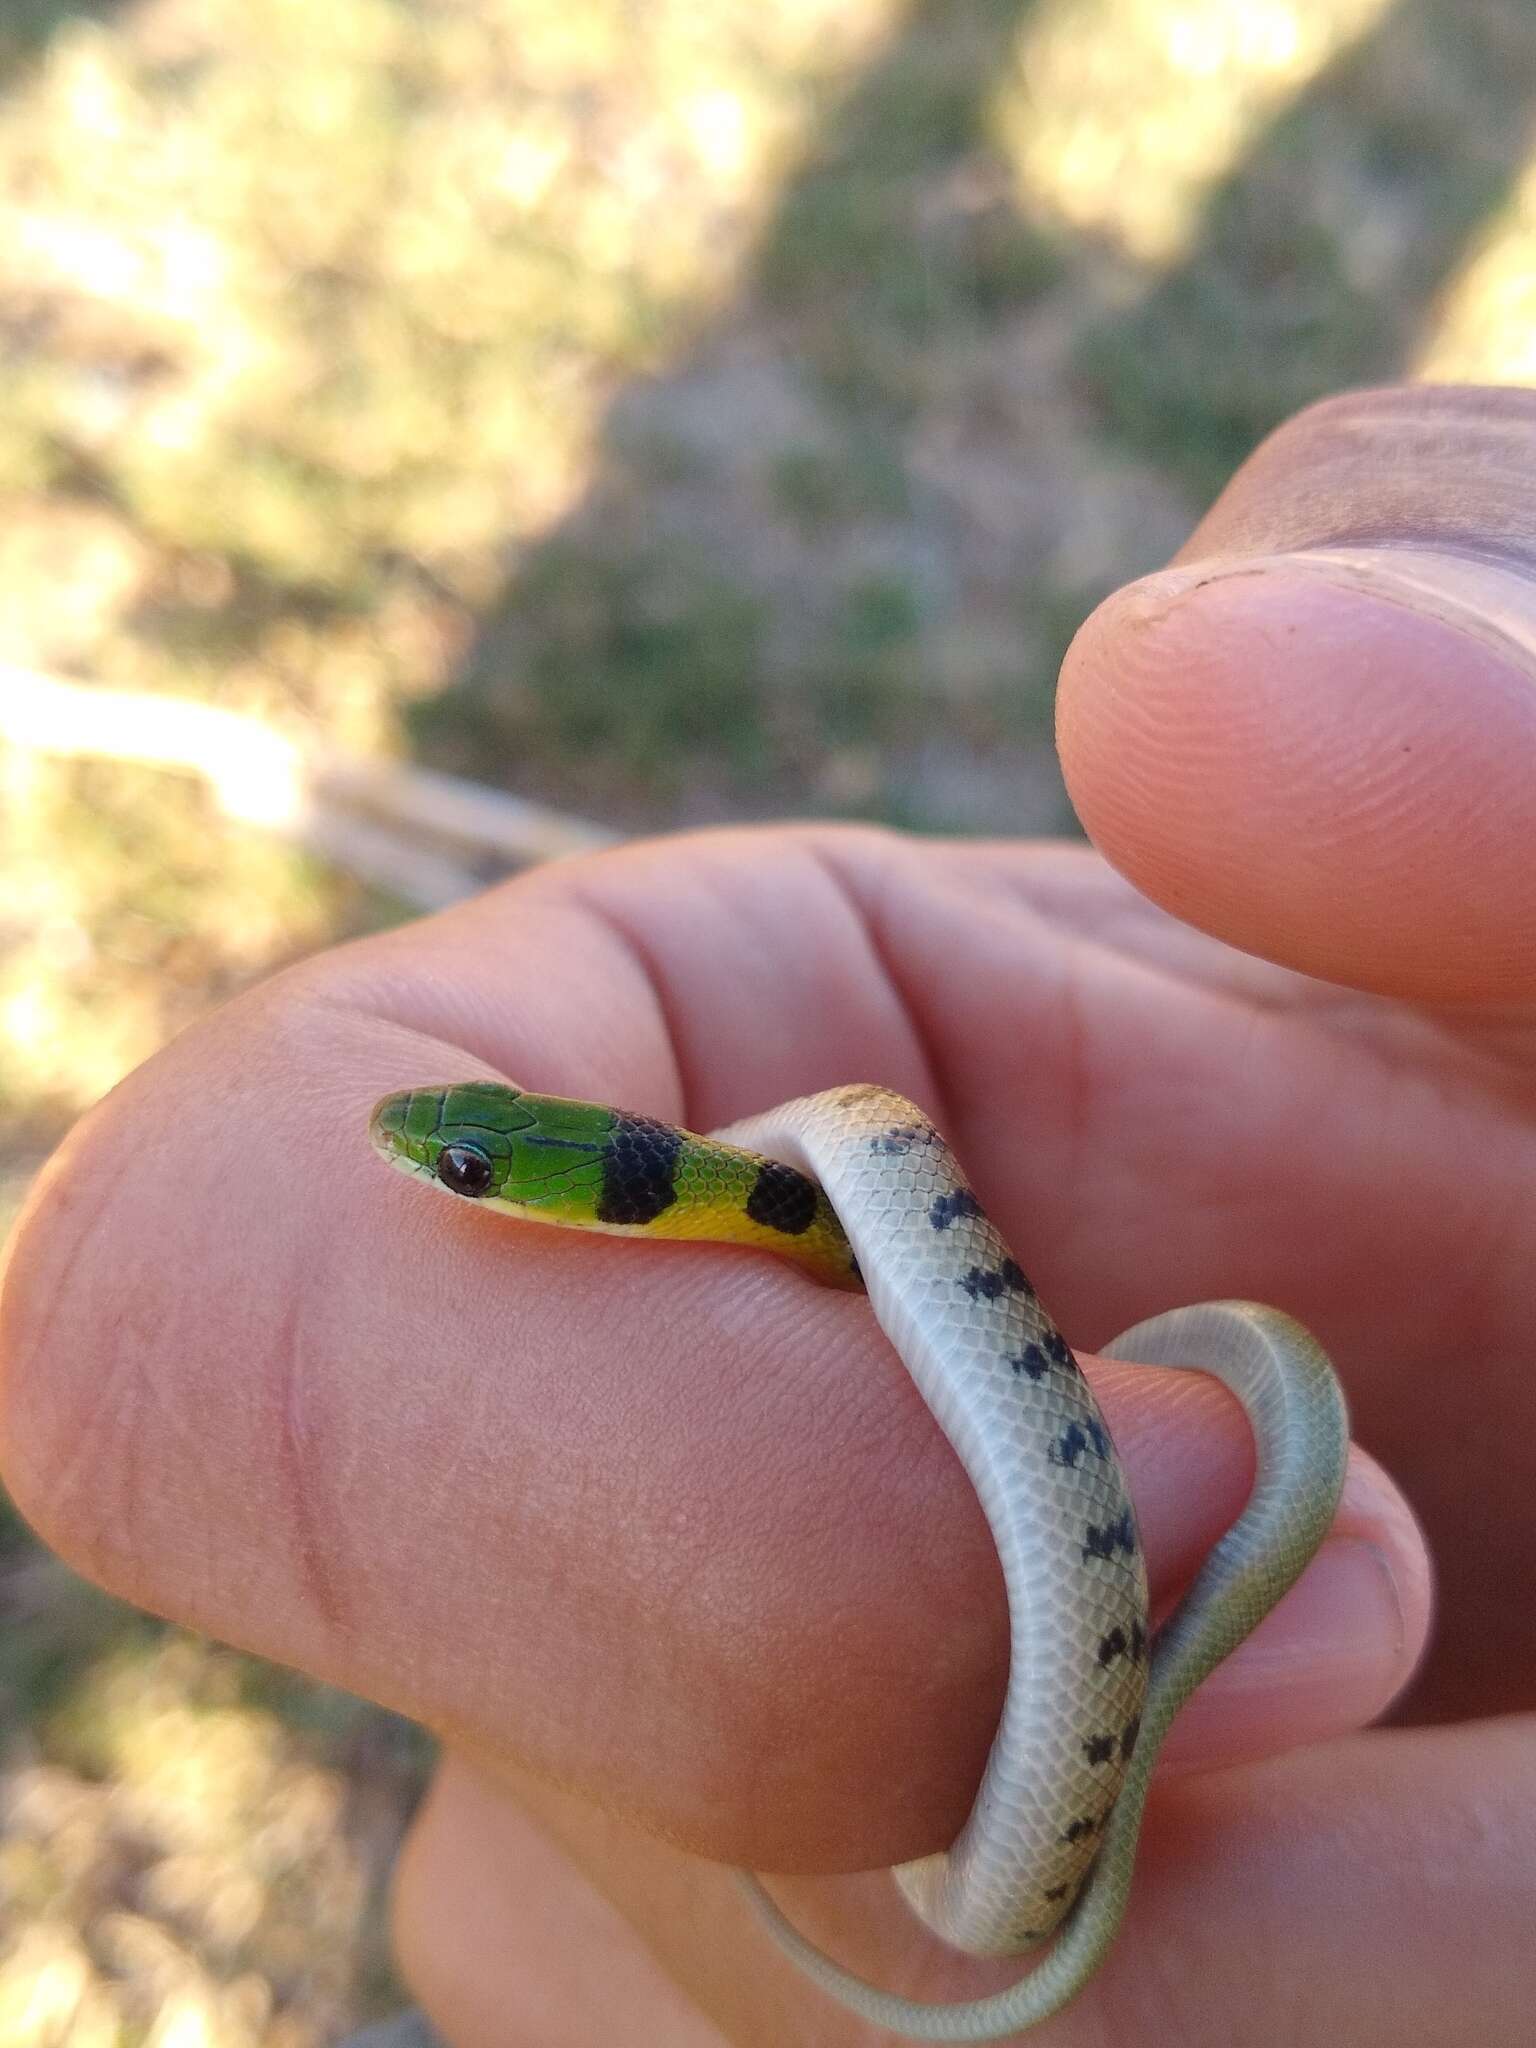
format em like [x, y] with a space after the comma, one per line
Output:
[857, 1186]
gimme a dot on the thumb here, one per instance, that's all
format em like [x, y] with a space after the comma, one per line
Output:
[1315, 736]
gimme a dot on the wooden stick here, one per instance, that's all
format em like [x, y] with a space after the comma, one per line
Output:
[367, 816]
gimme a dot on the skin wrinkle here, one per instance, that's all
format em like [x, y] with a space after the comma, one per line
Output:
[51, 1290]
[301, 1451]
[1073, 1039]
[614, 916]
[1072, 1219]
[966, 1681]
[685, 1090]
[1083, 1089]
[296, 1468]
[507, 1038]
[1409, 1092]
[1466, 1305]
[1101, 1090]
[98, 1523]
[914, 993]
[713, 1624]
[888, 997]
[1128, 916]
[1384, 1045]
[865, 908]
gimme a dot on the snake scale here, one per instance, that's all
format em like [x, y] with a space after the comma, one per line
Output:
[857, 1186]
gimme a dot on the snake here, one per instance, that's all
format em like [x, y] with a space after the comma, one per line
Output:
[858, 1189]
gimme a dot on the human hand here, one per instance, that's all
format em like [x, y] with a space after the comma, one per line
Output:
[667, 1527]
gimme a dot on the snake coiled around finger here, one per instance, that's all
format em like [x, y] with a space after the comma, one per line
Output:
[857, 1187]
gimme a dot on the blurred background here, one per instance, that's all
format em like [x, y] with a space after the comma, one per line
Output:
[662, 410]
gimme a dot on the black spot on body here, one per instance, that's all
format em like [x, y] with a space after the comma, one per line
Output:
[899, 1139]
[982, 1284]
[948, 1208]
[1076, 1440]
[1110, 1539]
[1128, 1735]
[782, 1199]
[1080, 1830]
[1057, 1891]
[639, 1170]
[1120, 1643]
[1057, 1349]
[1100, 1749]
[1069, 1447]
[989, 1283]
[1113, 1645]
[1031, 1362]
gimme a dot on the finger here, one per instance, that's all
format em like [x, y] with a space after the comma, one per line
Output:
[1374, 1891]
[658, 1521]
[502, 1939]
[1298, 1671]
[1315, 736]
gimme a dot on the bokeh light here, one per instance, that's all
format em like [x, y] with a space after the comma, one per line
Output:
[1123, 114]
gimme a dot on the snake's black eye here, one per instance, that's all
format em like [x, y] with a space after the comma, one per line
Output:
[465, 1170]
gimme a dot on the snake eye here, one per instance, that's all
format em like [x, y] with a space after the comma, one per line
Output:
[464, 1170]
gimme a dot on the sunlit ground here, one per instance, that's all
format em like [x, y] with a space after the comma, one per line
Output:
[185, 1862]
[674, 412]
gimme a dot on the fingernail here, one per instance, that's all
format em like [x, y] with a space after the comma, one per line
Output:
[1327, 1660]
[1344, 1608]
[1339, 1635]
[1490, 597]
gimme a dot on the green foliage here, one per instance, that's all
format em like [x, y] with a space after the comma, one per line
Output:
[866, 690]
[26, 25]
[891, 242]
[854, 477]
[627, 660]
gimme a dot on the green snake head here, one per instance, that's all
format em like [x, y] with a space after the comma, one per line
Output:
[591, 1167]
[488, 1142]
